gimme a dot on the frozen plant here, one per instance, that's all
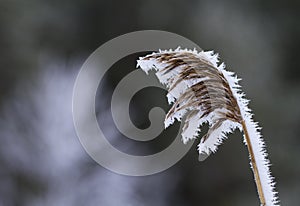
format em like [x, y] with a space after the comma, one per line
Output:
[204, 92]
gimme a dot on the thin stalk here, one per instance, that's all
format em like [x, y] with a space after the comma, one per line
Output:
[254, 165]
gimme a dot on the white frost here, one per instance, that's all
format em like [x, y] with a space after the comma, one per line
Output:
[219, 133]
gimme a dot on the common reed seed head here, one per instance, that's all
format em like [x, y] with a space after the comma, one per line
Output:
[198, 90]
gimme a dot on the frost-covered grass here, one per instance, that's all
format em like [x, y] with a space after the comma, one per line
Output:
[202, 90]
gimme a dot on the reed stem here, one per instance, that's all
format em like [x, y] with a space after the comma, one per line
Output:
[254, 166]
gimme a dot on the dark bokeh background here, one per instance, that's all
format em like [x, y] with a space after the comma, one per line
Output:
[42, 47]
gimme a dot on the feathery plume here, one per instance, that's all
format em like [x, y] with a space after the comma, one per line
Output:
[202, 91]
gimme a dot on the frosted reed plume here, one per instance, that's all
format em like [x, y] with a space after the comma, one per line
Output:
[204, 92]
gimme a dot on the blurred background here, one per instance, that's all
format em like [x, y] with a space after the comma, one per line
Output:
[43, 44]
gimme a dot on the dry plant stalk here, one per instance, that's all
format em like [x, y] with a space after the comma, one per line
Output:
[203, 91]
